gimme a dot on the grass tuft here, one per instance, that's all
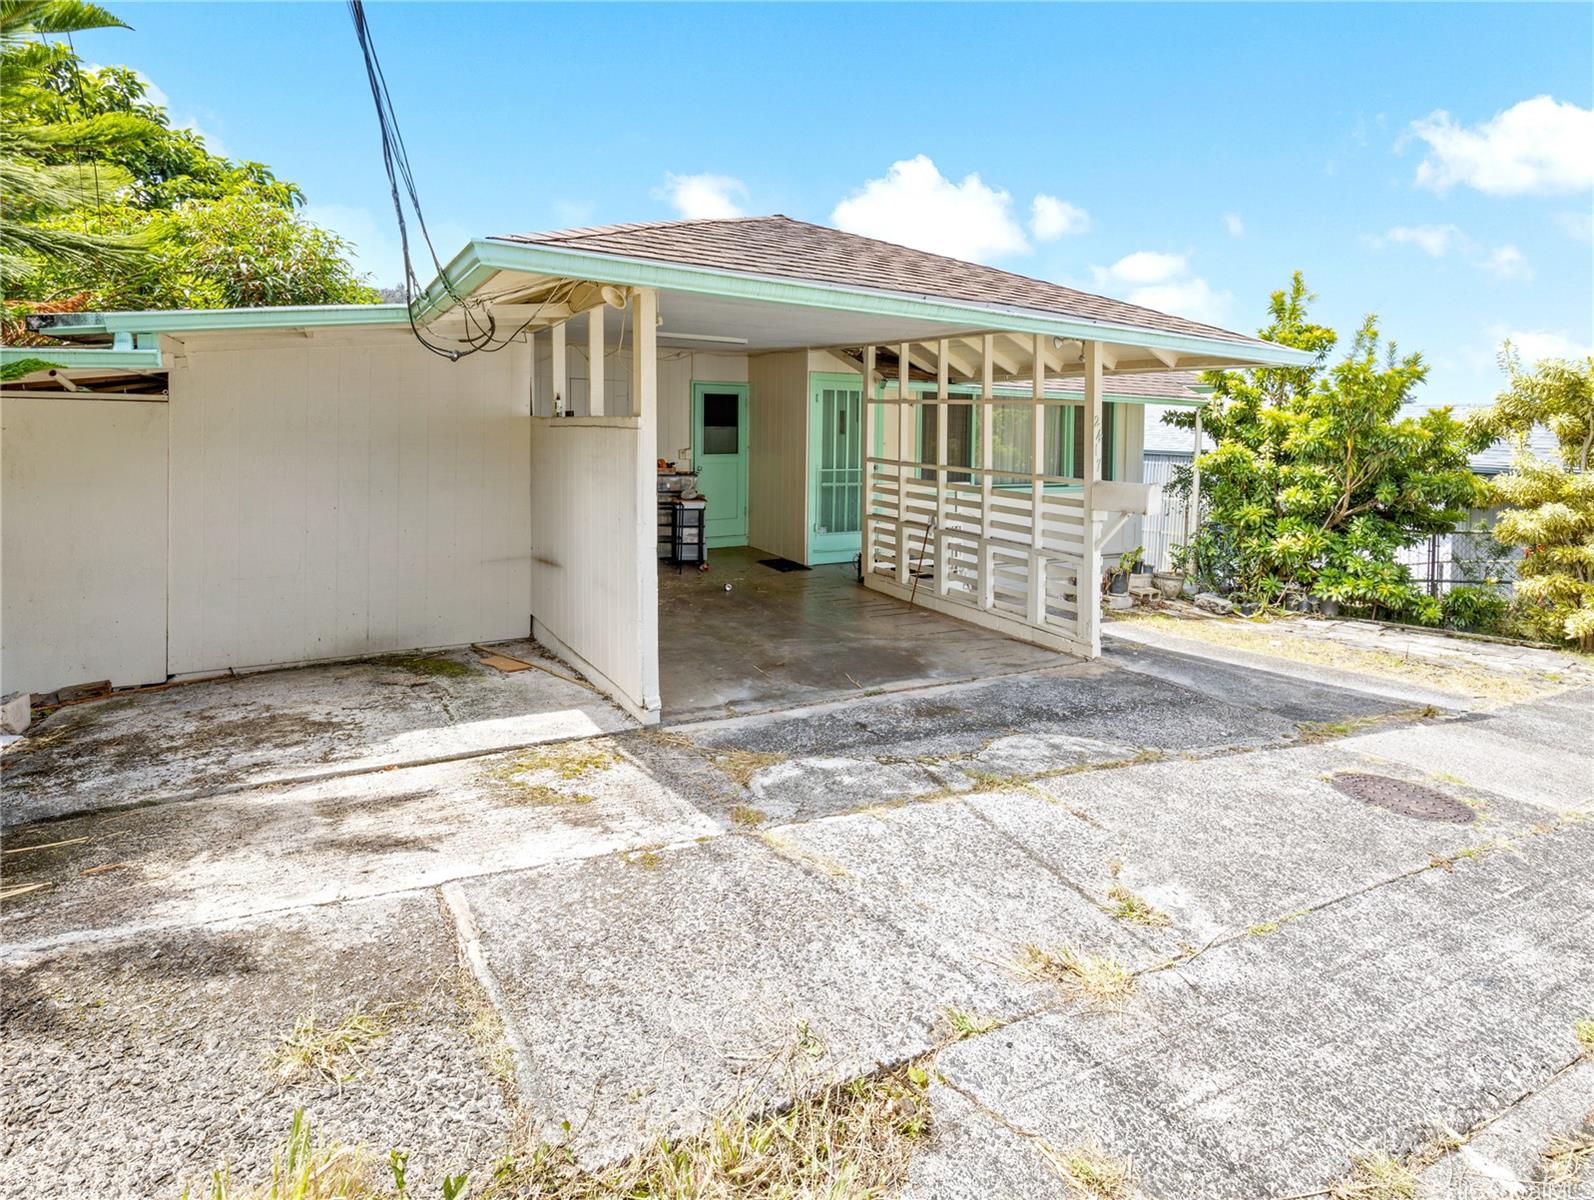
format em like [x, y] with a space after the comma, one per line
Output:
[330, 1051]
[741, 765]
[1089, 977]
[1375, 1177]
[967, 1024]
[747, 816]
[1089, 1171]
[1127, 906]
[1568, 1157]
[1583, 1031]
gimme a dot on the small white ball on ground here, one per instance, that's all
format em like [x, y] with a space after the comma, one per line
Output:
[727, 587]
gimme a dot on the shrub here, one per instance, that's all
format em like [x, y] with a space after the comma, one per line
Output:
[1482, 610]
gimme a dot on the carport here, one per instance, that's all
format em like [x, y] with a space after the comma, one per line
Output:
[320, 487]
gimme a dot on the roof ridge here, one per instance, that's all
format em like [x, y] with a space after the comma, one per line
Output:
[580, 231]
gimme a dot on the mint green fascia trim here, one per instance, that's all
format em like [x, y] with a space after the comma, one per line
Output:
[79, 357]
[484, 256]
[296, 317]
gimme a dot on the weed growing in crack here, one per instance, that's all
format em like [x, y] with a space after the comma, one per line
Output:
[1090, 977]
[1090, 1171]
[1263, 928]
[1583, 1031]
[1375, 1177]
[966, 1024]
[739, 766]
[1127, 906]
[747, 816]
[327, 1050]
[1568, 1157]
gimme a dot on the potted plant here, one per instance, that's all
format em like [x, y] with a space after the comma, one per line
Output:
[1171, 582]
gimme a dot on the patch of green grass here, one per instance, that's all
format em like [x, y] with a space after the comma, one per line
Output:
[967, 1024]
[747, 816]
[434, 665]
[648, 858]
[1375, 1177]
[540, 795]
[330, 1051]
[1091, 977]
[1127, 906]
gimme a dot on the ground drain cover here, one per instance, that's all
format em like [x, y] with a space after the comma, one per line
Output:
[1407, 799]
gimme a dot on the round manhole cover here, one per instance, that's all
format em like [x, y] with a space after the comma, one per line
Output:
[1407, 799]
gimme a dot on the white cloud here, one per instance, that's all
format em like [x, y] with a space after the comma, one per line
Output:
[1141, 267]
[1163, 282]
[1235, 226]
[915, 205]
[1507, 262]
[1434, 240]
[1051, 218]
[703, 196]
[1194, 298]
[1579, 226]
[1536, 344]
[1536, 146]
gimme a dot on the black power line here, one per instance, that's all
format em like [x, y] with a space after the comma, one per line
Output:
[481, 330]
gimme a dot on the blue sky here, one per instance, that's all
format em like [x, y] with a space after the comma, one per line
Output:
[1187, 156]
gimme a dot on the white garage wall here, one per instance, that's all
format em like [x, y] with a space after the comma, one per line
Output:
[83, 532]
[330, 500]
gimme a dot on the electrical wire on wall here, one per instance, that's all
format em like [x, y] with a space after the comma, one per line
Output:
[481, 329]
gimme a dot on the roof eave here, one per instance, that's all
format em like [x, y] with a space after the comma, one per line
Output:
[309, 316]
[483, 257]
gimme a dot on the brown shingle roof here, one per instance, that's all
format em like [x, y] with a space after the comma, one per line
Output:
[780, 246]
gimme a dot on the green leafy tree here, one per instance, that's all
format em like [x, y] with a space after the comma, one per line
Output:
[1316, 480]
[50, 167]
[116, 204]
[1549, 506]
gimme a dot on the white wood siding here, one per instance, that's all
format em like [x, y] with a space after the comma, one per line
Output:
[586, 551]
[777, 465]
[338, 500]
[83, 572]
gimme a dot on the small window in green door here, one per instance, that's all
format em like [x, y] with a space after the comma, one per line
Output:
[722, 432]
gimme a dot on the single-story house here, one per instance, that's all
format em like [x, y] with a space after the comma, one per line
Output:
[190, 491]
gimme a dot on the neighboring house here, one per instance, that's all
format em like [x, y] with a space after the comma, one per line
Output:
[193, 491]
[1469, 555]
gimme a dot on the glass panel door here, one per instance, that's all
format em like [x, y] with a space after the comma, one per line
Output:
[836, 468]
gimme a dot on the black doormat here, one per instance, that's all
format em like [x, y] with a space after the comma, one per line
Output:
[782, 564]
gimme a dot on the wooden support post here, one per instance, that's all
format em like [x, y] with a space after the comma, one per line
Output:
[645, 408]
[943, 577]
[905, 440]
[987, 574]
[866, 449]
[1037, 489]
[1090, 569]
[559, 385]
[595, 361]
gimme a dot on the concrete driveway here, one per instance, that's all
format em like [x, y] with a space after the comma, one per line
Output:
[584, 933]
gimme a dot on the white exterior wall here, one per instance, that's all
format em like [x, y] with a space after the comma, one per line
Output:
[777, 461]
[345, 499]
[83, 573]
[1129, 465]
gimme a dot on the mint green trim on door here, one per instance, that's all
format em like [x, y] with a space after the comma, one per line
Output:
[720, 458]
[835, 467]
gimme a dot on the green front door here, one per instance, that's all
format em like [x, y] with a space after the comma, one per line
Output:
[719, 452]
[835, 466]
